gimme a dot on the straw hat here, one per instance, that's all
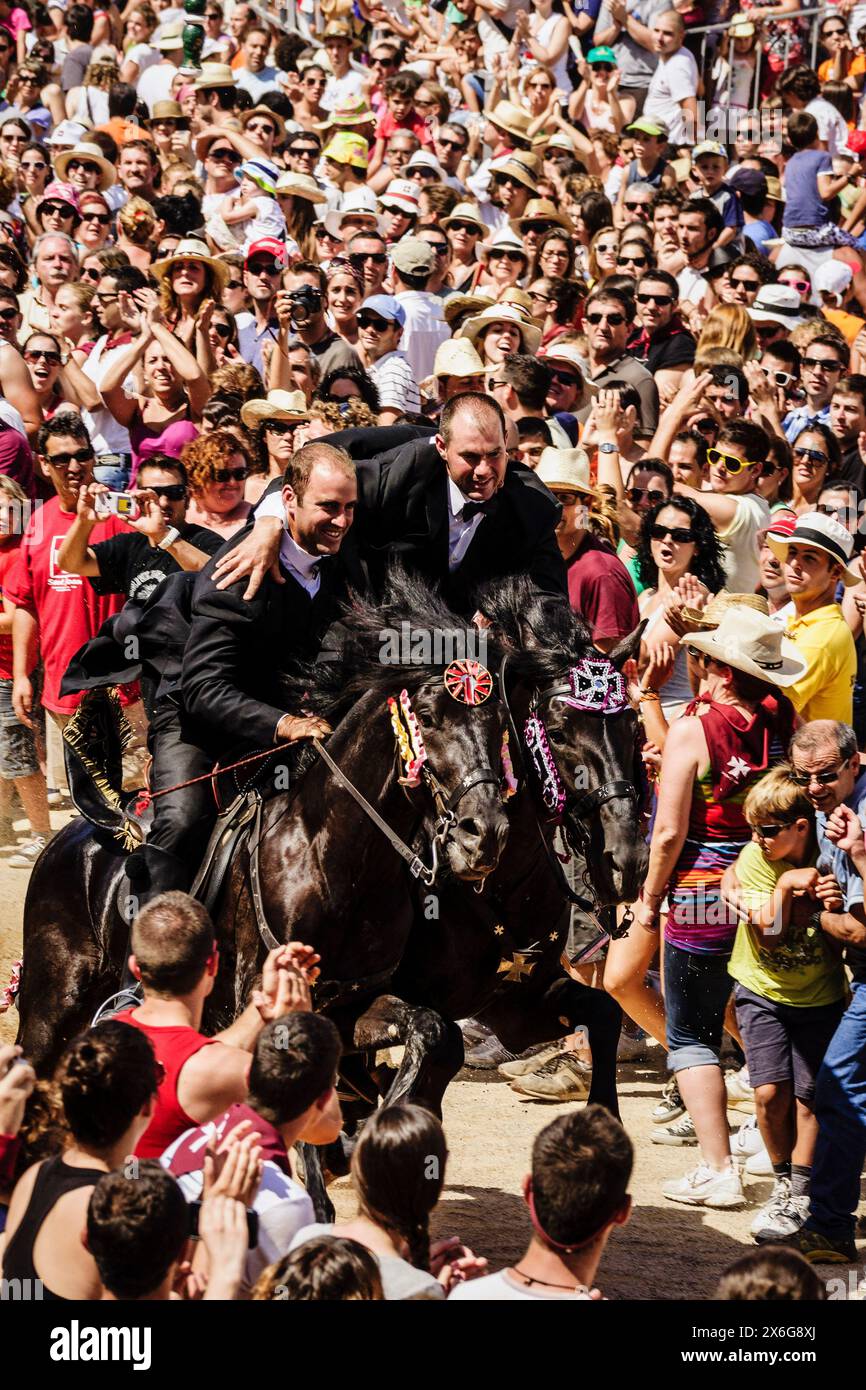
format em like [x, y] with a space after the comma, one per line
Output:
[522, 167]
[508, 117]
[93, 154]
[543, 210]
[751, 642]
[515, 295]
[457, 308]
[457, 357]
[352, 110]
[300, 186]
[264, 111]
[565, 470]
[819, 532]
[501, 313]
[337, 29]
[168, 111]
[465, 212]
[191, 249]
[277, 405]
[710, 617]
[171, 37]
[568, 355]
[503, 240]
[215, 75]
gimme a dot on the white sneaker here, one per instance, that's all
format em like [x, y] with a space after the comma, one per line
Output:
[670, 1107]
[683, 1132]
[27, 854]
[741, 1093]
[747, 1141]
[782, 1216]
[760, 1165]
[706, 1187]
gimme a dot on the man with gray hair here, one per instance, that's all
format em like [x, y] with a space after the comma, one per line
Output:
[827, 765]
[55, 261]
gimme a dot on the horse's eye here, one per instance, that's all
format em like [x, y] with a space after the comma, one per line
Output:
[557, 735]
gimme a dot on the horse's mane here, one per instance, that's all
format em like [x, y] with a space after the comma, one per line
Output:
[377, 655]
[540, 632]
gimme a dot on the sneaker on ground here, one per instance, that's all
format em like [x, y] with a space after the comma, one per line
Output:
[487, 1054]
[741, 1094]
[747, 1141]
[821, 1249]
[759, 1165]
[129, 998]
[562, 1077]
[631, 1049]
[474, 1031]
[683, 1132]
[26, 854]
[55, 797]
[706, 1187]
[670, 1107]
[778, 1199]
[522, 1066]
[788, 1218]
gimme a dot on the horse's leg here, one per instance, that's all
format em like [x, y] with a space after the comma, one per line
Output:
[314, 1182]
[433, 1049]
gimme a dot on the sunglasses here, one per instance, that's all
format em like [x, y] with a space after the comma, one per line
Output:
[34, 166]
[173, 492]
[703, 657]
[440, 247]
[778, 378]
[501, 179]
[661, 299]
[322, 234]
[224, 153]
[63, 460]
[468, 227]
[615, 320]
[57, 210]
[635, 207]
[103, 218]
[513, 256]
[222, 330]
[371, 321]
[37, 354]
[94, 275]
[636, 495]
[451, 144]
[767, 330]
[359, 258]
[75, 164]
[568, 499]
[824, 364]
[264, 267]
[680, 535]
[229, 475]
[730, 462]
[7, 315]
[602, 67]
[800, 285]
[304, 151]
[282, 426]
[564, 378]
[539, 228]
[769, 832]
[632, 260]
[833, 33]
[802, 779]
[813, 456]
[769, 468]
[747, 284]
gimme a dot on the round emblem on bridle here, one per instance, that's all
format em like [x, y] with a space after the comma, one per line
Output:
[468, 682]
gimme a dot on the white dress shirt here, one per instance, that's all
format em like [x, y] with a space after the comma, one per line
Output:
[302, 566]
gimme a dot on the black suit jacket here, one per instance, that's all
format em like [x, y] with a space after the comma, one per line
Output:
[238, 649]
[403, 514]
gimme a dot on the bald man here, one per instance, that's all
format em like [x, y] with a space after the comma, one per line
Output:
[673, 88]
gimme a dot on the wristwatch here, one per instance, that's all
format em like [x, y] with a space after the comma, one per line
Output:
[168, 540]
[608, 449]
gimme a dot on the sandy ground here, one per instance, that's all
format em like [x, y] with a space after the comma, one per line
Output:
[665, 1252]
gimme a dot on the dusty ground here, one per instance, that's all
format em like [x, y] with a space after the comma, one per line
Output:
[666, 1251]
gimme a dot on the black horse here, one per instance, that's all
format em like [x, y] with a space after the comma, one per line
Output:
[325, 872]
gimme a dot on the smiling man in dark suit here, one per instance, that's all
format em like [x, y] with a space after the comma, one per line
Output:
[450, 508]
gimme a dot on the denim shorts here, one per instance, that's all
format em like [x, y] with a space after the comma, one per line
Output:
[114, 470]
[18, 755]
[784, 1043]
[697, 990]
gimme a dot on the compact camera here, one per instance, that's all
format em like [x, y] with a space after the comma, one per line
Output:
[121, 504]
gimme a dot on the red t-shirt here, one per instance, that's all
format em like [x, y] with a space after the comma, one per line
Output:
[600, 590]
[387, 124]
[173, 1048]
[8, 557]
[67, 607]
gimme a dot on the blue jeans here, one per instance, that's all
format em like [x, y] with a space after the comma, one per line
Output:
[697, 990]
[840, 1108]
[115, 472]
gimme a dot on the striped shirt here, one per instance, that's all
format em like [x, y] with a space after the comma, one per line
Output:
[395, 382]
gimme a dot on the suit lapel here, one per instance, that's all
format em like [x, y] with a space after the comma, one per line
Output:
[438, 515]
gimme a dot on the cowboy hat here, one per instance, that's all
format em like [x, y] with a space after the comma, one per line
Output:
[337, 29]
[214, 75]
[502, 313]
[465, 212]
[709, 618]
[515, 295]
[274, 116]
[168, 111]
[568, 355]
[510, 118]
[521, 167]
[357, 202]
[191, 249]
[819, 532]
[543, 210]
[457, 357]
[277, 405]
[565, 470]
[457, 308]
[503, 240]
[753, 643]
[300, 186]
[93, 155]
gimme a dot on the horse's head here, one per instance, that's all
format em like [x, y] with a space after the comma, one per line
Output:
[580, 733]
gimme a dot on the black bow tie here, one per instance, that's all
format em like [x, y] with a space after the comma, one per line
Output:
[471, 509]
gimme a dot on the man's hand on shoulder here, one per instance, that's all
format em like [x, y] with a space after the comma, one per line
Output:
[255, 556]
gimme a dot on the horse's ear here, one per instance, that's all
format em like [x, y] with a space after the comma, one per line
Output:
[627, 648]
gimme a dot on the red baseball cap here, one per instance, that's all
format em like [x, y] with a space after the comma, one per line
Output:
[268, 246]
[855, 141]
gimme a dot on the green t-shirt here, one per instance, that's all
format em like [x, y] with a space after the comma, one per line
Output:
[804, 971]
[631, 566]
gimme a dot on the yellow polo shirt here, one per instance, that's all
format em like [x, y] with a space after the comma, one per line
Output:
[826, 690]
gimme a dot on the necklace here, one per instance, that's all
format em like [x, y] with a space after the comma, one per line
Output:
[546, 1284]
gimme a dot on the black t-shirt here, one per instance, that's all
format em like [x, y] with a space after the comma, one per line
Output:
[130, 565]
[675, 350]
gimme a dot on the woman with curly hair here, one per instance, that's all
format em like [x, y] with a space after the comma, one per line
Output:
[238, 379]
[217, 466]
[329, 417]
[89, 102]
[328, 1270]
[349, 383]
[136, 225]
[108, 1079]
[676, 538]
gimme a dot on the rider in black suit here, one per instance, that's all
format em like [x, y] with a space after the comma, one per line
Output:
[408, 509]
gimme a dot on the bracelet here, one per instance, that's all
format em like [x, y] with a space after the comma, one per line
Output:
[647, 695]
